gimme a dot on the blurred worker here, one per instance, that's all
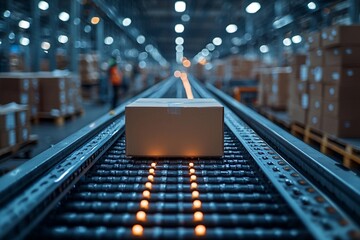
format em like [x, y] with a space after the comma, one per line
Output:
[115, 77]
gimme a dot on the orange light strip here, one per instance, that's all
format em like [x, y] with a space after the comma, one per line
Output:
[199, 230]
[138, 230]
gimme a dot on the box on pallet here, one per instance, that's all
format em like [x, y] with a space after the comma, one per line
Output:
[339, 74]
[264, 88]
[315, 112]
[278, 97]
[174, 127]
[342, 127]
[313, 40]
[341, 35]
[342, 56]
[297, 113]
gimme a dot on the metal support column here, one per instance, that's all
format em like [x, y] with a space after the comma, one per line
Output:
[35, 36]
[53, 36]
[354, 11]
[74, 38]
[104, 93]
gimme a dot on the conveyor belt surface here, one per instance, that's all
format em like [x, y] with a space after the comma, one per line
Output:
[237, 200]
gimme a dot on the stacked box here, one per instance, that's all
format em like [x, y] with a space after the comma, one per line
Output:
[278, 96]
[88, 68]
[14, 125]
[341, 76]
[264, 87]
[298, 90]
[21, 88]
[239, 68]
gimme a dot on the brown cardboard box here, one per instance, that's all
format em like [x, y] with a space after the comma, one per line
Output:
[343, 92]
[279, 95]
[53, 95]
[337, 109]
[316, 57]
[297, 91]
[296, 61]
[314, 119]
[22, 133]
[315, 74]
[314, 40]
[342, 56]
[315, 91]
[297, 113]
[338, 74]
[7, 138]
[341, 35]
[264, 87]
[342, 127]
[174, 128]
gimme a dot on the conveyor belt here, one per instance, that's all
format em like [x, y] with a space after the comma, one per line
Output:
[96, 192]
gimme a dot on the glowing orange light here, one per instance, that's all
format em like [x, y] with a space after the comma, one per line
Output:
[95, 20]
[186, 63]
[177, 73]
[191, 164]
[198, 216]
[183, 75]
[197, 204]
[192, 178]
[193, 185]
[148, 185]
[153, 165]
[144, 204]
[200, 230]
[195, 194]
[192, 171]
[146, 194]
[141, 216]
[151, 178]
[151, 170]
[137, 230]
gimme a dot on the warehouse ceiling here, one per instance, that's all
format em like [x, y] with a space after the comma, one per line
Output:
[203, 20]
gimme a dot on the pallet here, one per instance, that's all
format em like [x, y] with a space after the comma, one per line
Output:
[59, 120]
[329, 145]
[24, 148]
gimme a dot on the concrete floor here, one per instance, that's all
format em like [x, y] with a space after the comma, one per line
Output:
[49, 133]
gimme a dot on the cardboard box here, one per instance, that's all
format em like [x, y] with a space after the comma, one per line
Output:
[174, 128]
[342, 56]
[297, 113]
[342, 127]
[348, 93]
[314, 119]
[315, 74]
[341, 35]
[7, 138]
[264, 88]
[296, 61]
[53, 96]
[298, 91]
[337, 109]
[316, 57]
[278, 98]
[315, 90]
[339, 74]
[314, 40]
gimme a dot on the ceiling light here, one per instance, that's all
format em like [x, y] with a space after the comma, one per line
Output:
[143, 56]
[63, 39]
[64, 16]
[108, 40]
[45, 45]
[95, 20]
[149, 48]
[264, 49]
[179, 48]
[311, 5]
[180, 6]
[24, 41]
[126, 22]
[142, 64]
[179, 40]
[205, 52]
[185, 18]
[6, 13]
[296, 39]
[140, 39]
[287, 42]
[231, 28]
[24, 24]
[179, 28]
[281, 22]
[87, 28]
[253, 7]
[217, 41]
[43, 5]
[12, 35]
[210, 46]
